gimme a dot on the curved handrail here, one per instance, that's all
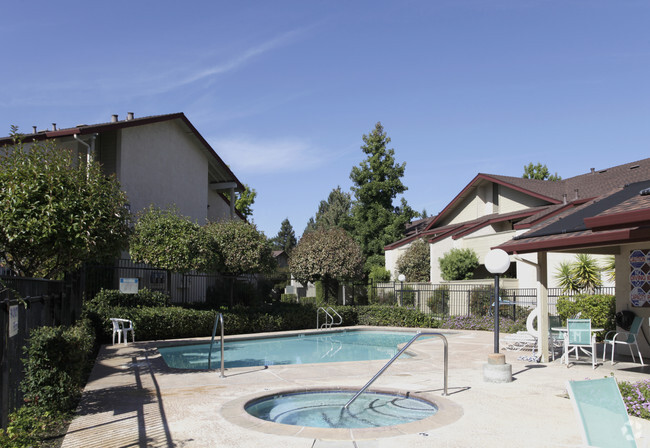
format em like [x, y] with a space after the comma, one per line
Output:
[217, 320]
[337, 315]
[328, 323]
[378, 374]
[326, 316]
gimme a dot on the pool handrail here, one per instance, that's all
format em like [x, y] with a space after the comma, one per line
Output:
[217, 320]
[383, 369]
[327, 324]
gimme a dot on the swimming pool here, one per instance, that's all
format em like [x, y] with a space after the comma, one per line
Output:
[339, 346]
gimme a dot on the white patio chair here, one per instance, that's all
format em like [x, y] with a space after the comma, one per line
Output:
[121, 328]
[624, 337]
[579, 339]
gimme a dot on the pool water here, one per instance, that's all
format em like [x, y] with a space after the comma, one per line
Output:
[324, 409]
[360, 345]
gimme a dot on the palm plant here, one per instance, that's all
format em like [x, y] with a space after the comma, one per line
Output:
[586, 272]
[610, 268]
[565, 278]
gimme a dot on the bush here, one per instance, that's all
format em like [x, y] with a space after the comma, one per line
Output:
[458, 264]
[438, 303]
[484, 323]
[393, 317]
[407, 296]
[637, 398]
[289, 298]
[29, 426]
[480, 300]
[600, 308]
[56, 366]
[144, 297]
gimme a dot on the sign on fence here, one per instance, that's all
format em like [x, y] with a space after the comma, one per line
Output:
[129, 285]
[13, 320]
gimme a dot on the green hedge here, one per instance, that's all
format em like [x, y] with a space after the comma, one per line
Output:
[173, 322]
[56, 366]
[600, 308]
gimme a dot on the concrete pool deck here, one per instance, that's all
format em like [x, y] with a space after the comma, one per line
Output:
[132, 399]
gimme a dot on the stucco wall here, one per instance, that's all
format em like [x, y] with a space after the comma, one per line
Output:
[218, 209]
[512, 200]
[160, 164]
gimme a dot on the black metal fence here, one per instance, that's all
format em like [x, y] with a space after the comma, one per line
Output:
[463, 299]
[28, 304]
[182, 288]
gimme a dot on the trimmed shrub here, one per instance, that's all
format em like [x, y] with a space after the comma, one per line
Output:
[289, 298]
[480, 300]
[600, 308]
[458, 264]
[56, 366]
[438, 303]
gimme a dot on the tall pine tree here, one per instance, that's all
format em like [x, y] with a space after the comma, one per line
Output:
[286, 238]
[377, 182]
[335, 212]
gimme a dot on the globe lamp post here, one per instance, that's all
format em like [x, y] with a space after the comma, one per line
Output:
[497, 262]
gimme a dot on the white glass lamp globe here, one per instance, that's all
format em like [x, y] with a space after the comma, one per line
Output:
[497, 261]
[401, 277]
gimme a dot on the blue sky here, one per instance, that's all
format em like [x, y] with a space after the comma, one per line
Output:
[284, 90]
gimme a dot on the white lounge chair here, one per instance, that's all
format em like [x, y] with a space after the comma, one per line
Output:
[524, 340]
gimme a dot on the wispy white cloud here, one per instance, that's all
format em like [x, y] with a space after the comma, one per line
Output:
[269, 156]
[123, 82]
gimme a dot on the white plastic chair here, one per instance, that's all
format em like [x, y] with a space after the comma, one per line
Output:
[624, 337]
[121, 328]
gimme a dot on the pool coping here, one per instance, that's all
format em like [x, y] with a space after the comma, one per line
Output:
[448, 412]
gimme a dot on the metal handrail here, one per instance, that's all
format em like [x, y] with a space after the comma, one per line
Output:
[217, 320]
[378, 374]
[326, 315]
[327, 323]
[337, 315]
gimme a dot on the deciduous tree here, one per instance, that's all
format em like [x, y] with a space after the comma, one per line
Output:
[165, 239]
[56, 210]
[415, 263]
[328, 256]
[539, 172]
[236, 247]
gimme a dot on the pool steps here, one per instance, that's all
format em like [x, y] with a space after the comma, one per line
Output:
[383, 369]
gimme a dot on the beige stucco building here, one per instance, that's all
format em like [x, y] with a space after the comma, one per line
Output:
[161, 160]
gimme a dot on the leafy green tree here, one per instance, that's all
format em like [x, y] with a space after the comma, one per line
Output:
[167, 240]
[335, 212]
[458, 264]
[236, 247]
[415, 263]
[244, 200]
[539, 172]
[57, 211]
[376, 221]
[328, 256]
[286, 238]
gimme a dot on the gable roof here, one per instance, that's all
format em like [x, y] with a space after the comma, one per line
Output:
[577, 188]
[222, 171]
[618, 217]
